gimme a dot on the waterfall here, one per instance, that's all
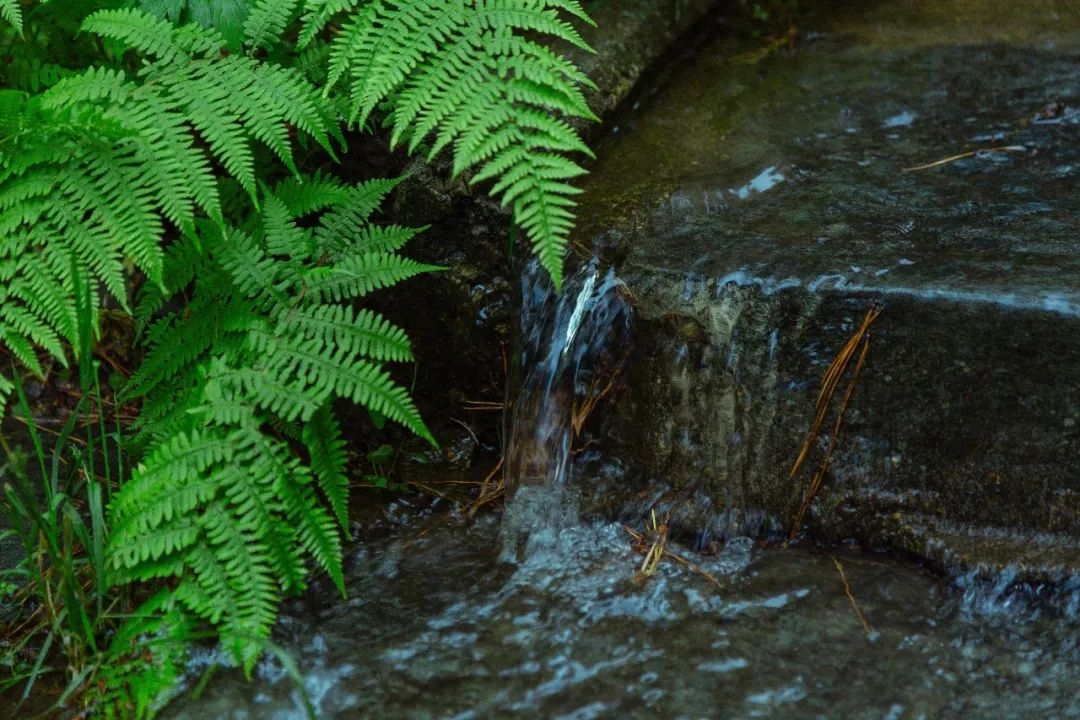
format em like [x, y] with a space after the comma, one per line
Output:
[572, 345]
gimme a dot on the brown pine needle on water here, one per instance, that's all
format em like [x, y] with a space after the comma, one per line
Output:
[653, 544]
[851, 598]
[483, 405]
[491, 490]
[970, 153]
[829, 383]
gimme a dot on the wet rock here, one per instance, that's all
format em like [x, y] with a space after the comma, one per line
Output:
[460, 320]
[757, 230]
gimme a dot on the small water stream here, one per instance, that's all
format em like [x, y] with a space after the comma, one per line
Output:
[545, 613]
[437, 628]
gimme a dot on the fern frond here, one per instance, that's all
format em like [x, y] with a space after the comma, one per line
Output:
[239, 592]
[472, 78]
[315, 530]
[266, 21]
[317, 13]
[152, 36]
[11, 11]
[239, 382]
[92, 168]
[229, 99]
[303, 196]
[356, 276]
[183, 258]
[326, 448]
[361, 334]
[166, 485]
[174, 345]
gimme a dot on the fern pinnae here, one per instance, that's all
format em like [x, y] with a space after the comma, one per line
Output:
[290, 96]
[317, 14]
[364, 334]
[257, 497]
[11, 11]
[283, 236]
[327, 452]
[542, 17]
[232, 392]
[211, 112]
[21, 348]
[174, 347]
[20, 327]
[283, 350]
[317, 532]
[233, 569]
[174, 463]
[358, 275]
[267, 20]
[152, 36]
[303, 196]
[473, 72]
[345, 233]
[368, 384]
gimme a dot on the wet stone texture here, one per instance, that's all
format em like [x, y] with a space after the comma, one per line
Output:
[434, 628]
[759, 208]
[460, 319]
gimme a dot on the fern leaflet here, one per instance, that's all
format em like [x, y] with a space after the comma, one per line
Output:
[471, 77]
[93, 168]
[222, 501]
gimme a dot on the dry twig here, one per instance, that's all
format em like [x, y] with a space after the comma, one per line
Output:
[653, 544]
[851, 598]
[970, 153]
[829, 383]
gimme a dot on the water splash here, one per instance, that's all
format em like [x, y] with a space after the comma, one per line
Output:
[573, 344]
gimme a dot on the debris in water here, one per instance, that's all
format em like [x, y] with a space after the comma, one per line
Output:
[829, 382]
[653, 544]
[970, 153]
[870, 632]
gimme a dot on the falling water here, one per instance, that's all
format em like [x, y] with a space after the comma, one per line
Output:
[573, 345]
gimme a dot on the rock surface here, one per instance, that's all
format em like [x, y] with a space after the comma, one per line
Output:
[921, 155]
[460, 320]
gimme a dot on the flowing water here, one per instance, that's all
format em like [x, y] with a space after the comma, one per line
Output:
[556, 619]
[436, 627]
[548, 614]
[572, 347]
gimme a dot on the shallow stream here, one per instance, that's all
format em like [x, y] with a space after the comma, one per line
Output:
[436, 627]
[438, 624]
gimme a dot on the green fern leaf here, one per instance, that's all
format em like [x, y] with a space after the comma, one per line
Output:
[11, 11]
[355, 333]
[359, 275]
[317, 13]
[471, 77]
[266, 21]
[235, 385]
[238, 590]
[167, 484]
[152, 36]
[315, 530]
[304, 196]
[326, 447]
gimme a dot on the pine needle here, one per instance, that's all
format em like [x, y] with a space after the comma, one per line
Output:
[851, 598]
[829, 383]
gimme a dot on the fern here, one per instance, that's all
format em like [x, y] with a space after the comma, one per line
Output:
[222, 502]
[470, 76]
[92, 169]
[267, 20]
[11, 11]
[154, 168]
[223, 16]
